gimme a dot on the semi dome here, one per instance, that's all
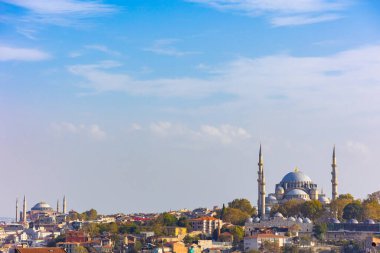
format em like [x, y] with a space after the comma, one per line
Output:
[42, 206]
[369, 221]
[272, 200]
[324, 200]
[307, 220]
[291, 218]
[297, 193]
[353, 221]
[335, 220]
[295, 176]
[278, 214]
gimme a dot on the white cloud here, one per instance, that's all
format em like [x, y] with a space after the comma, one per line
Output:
[21, 54]
[63, 6]
[92, 131]
[282, 12]
[357, 147]
[102, 48]
[302, 19]
[58, 12]
[135, 127]
[166, 47]
[342, 79]
[224, 134]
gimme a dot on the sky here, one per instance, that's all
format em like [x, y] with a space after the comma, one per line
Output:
[148, 106]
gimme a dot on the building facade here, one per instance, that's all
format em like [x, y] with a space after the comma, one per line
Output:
[206, 225]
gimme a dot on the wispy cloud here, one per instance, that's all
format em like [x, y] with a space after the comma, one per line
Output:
[224, 134]
[21, 54]
[58, 12]
[92, 131]
[302, 19]
[274, 79]
[63, 6]
[357, 147]
[166, 47]
[103, 49]
[282, 12]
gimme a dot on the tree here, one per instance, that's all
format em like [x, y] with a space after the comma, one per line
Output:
[113, 228]
[130, 228]
[183, 222]
[80, 249]
[339, 204]
[190, 239]
[73, 216]
[237, 232]
[91, 214]
[235, 216]
[91, 228]
[291, 207]
[223, 212]
[374, 195]
[346, 196]
[353, 210]
[320, 230]
[371, 208]
[312, 209]
[243, 205]
[272, 247]
[167, 219]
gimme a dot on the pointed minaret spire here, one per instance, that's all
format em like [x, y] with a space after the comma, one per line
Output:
[57, 206]
[261, 186]
[24, 210]
[334, 178]
[64, 205]
[16, 210]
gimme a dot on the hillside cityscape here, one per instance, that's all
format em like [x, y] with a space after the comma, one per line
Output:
[189, 126]
[297, 217]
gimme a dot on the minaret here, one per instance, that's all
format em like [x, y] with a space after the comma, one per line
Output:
[57, 206]
[16, 210]
[64, 205]
[24, 210]
[334, 178]
[261, 186]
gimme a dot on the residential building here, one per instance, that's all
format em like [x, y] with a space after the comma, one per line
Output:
[254, 242]
[206, 225]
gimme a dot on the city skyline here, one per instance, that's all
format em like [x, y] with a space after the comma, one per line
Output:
[148, 106]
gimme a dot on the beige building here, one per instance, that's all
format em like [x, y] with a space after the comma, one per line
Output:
[206, 225]
[175, 231]
[254, 242]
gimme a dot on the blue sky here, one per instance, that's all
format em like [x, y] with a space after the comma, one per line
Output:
[134, 105]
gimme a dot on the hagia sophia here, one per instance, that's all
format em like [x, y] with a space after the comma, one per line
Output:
[39, 211]
[294, 185]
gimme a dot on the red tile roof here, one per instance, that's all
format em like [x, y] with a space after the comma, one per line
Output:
[40, 250]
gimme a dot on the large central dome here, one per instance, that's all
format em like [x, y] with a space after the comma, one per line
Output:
[296, 176]
[42, 206]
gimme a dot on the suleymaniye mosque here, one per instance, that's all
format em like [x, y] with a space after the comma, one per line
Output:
[294, 185]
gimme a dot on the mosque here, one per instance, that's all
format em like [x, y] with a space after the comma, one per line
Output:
[294, 185]
[38, 211]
